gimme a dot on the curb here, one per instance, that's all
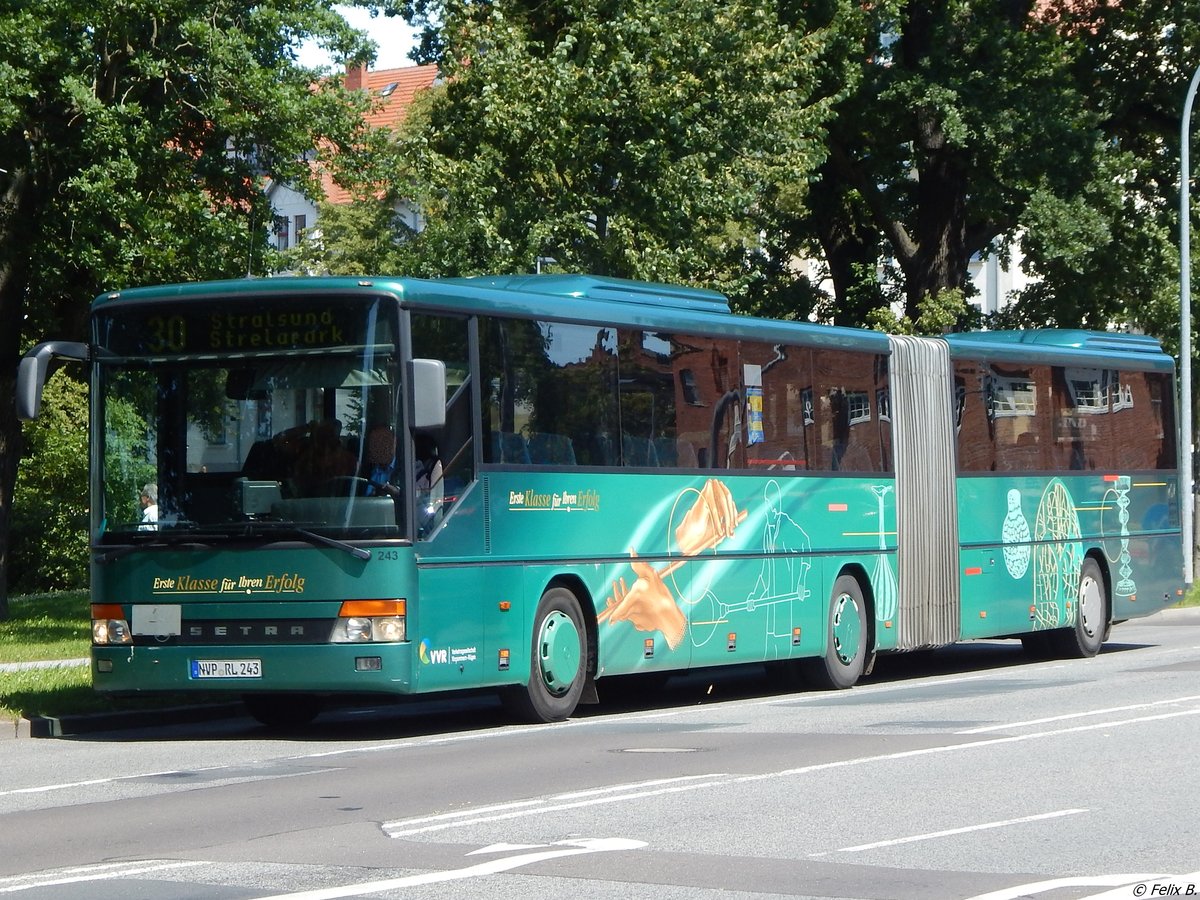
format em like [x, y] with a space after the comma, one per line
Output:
[1182, 615]
[72, 725]
[44, 664]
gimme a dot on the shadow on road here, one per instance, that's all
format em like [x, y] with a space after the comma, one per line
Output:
[382, 719]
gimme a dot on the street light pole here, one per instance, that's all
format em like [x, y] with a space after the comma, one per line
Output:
[1187, 501]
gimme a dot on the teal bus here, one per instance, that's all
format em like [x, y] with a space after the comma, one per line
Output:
[306, 487]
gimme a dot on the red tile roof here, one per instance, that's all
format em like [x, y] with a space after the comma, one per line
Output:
[392, 91]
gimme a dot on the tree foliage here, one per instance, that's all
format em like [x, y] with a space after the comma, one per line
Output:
[662, 139]
[627, 137]
[50, 506]
[134, 138]
[1108, 253]
[941, 132]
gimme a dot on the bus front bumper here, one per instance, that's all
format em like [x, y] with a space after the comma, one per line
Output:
[324, 669]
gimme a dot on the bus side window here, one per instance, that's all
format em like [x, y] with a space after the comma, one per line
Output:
[852, 435]
[975, 423]
[445, 338]
[774, 377]
[1143, 427]
[549, 393]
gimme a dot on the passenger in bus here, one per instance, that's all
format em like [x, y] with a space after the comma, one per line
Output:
[380, 462]
[322, 458]
[429, 485]
[149, 501]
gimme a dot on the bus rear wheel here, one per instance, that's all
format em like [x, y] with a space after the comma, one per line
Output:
[557, 663]
[845, 641]
[1091, 617]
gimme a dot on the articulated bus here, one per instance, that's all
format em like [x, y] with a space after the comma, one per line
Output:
[534, 483]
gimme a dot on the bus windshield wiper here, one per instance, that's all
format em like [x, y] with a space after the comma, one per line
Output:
[196, 537]
[312, 537]
[125, 549]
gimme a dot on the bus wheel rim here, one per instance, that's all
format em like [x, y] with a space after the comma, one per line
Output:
[1091, 605]
[847, 629]
[560, 652]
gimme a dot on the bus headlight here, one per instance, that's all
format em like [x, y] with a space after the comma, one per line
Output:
[109, 625]
[370, 621]
[390, 629]
[352, 630]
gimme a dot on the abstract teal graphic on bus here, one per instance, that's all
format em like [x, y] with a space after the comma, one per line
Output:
[1057, 557]
[887, 591]
[1125, 586]
[780, 583]
[1016, 536]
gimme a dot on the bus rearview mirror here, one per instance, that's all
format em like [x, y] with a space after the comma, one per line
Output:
[31, 375]
[427, 383]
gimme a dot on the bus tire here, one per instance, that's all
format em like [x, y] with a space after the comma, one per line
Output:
[846, 641]
[283, 710]
[557, 661]
[1084, 639]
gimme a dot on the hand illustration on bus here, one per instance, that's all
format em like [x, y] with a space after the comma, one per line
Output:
[713, 517]
[649, 604]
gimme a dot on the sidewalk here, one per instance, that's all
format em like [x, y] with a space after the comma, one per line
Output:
[43, 664]
[1188, 615]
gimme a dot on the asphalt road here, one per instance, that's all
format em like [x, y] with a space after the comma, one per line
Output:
[970, 772]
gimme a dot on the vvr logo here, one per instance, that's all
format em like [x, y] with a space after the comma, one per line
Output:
[430, 656]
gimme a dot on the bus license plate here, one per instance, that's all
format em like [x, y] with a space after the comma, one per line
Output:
[227, 668]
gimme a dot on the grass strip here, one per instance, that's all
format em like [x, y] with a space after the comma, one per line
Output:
[46, 626]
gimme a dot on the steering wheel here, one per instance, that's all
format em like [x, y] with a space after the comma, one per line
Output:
[346, 486]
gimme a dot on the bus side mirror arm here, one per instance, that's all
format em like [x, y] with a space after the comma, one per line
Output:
[31, 375]
[427, 386]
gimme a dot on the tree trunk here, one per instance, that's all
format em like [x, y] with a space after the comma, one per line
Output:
[851, 247]
[10, 452]
[936, 260]
[16, 205]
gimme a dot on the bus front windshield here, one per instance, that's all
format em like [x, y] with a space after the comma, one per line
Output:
[249, 419]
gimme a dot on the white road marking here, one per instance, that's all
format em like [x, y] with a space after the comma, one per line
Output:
[391, 747]
[620, 793]
[242, 775]
[1182, 882]
[617, 793]
[964, 830]
[565, 848]
[954, 748]
[91, 873]
[1079, 715]
[1053, 884]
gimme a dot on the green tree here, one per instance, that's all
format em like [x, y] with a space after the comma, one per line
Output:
[357, 238]
[1108, 252]
[134, 139]
[961, 112]
[50, 506]
[639, 138]
[977, 126]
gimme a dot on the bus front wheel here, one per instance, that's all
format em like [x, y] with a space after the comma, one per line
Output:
[558, 660]
[1091, 617]
[846, 639]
